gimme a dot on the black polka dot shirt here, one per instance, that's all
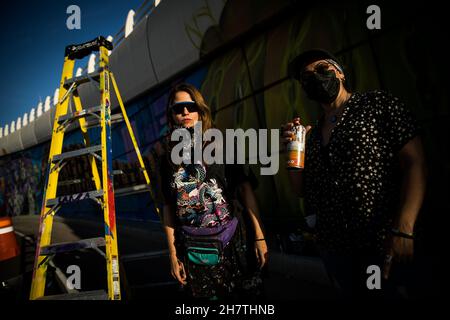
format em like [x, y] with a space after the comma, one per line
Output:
[353, 183]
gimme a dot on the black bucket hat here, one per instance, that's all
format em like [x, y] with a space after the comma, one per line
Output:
[307, 57]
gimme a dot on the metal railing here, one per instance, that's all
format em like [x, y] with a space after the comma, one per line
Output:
[145, 9]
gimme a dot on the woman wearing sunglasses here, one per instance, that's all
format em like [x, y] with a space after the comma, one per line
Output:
[209, 244]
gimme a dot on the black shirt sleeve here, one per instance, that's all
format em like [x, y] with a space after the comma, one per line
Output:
[165, 176]
[237, 174]
[399, 122]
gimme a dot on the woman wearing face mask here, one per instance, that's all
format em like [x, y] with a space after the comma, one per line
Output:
[364, 175]
[200, 202]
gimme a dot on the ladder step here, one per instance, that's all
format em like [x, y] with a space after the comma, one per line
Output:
[77, 153]
[79, 114]
[93, 122]
[83, 295]
[72, 246]
[76, 181]
[83, 78]
[117, 117]
[131, 190]
[75, 197]
[69, 182]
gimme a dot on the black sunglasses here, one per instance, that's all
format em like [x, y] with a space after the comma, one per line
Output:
[321, 68]
[178, 108]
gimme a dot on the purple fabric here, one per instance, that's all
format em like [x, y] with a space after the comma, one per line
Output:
[224, 232]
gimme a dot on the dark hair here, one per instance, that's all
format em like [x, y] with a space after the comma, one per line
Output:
[203, 110]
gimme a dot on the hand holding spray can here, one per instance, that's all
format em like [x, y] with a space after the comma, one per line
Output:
[296, 148]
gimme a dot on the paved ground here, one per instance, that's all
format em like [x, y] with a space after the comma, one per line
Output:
[145, 264]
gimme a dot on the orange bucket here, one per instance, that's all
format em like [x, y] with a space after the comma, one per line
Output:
[9, 247]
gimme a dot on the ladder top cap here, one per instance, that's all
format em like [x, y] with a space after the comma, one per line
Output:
[79, 51]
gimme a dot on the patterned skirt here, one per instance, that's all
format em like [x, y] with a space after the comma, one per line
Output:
[235, 277]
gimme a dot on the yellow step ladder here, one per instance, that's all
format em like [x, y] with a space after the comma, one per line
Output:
[104, 189]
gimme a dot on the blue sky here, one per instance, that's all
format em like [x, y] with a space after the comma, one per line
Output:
[33, 36]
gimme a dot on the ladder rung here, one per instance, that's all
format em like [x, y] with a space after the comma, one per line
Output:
[92, 123]
[74, 197]
[81, 113]
[72, 246]
[82, 295]
[83, 79]
[76, 181]
[117, 117]
[69, 182]
[131, 190]
[77, 153]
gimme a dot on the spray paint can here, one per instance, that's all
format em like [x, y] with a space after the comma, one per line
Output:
[296, 149]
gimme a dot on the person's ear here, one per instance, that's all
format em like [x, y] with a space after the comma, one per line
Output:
[340, 75]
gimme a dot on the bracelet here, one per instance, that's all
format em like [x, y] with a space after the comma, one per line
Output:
[397, 232]
[260, 239]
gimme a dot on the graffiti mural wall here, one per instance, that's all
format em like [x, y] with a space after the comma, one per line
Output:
[242, 71]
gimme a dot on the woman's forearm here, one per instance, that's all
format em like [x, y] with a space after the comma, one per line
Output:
[249, 201]
[413, 170]
[413, 192]
[169, 229]
[170, 240]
